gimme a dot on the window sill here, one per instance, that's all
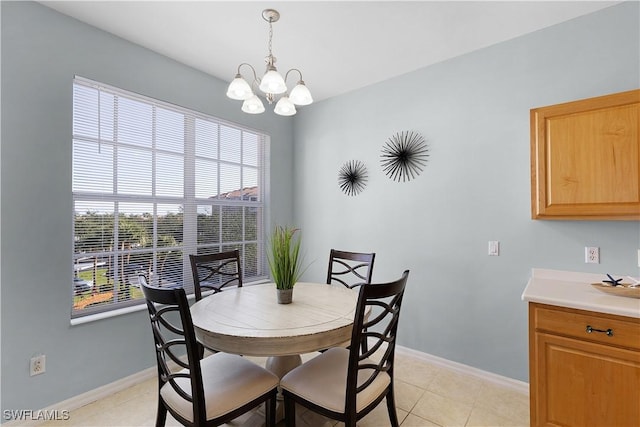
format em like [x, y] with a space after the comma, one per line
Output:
[107, 314]
[132, 309]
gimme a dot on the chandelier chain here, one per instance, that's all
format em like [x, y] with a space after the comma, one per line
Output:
[270, 38]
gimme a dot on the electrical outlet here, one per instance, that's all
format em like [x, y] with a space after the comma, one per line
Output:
[638, 257]
[37, 365]
[592, 255]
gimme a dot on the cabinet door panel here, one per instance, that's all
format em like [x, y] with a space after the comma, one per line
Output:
[585, 158]
[586, 384]
[593, 157]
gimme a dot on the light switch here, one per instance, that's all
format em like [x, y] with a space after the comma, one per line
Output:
[494, 248]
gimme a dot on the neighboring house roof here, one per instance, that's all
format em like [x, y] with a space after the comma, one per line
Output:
[246, 193]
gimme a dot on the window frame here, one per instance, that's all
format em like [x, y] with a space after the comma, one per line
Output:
[189, 200]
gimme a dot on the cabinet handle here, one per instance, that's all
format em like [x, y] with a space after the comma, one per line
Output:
[609, 331]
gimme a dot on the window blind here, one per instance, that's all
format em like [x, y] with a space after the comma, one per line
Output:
[152, 183]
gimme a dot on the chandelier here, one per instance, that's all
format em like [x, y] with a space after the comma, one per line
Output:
[271, 84]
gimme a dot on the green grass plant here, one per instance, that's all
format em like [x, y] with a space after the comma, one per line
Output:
[285, 262]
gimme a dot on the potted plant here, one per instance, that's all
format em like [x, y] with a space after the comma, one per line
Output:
[285, 261]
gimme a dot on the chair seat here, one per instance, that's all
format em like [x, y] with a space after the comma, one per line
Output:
[229, 382]
[323, 381]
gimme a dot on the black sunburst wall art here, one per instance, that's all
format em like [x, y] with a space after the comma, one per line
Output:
[404, 156]
[352, 177]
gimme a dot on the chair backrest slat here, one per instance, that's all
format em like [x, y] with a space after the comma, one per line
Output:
[350, 269]
[215, 271]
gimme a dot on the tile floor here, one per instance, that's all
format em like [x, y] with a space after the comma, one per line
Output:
[426, 395]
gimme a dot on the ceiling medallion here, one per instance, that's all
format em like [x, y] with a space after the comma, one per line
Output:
[352, 177]
[404, 155]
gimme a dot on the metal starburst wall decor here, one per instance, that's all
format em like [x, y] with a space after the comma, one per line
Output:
[404, 156]
[352, 177]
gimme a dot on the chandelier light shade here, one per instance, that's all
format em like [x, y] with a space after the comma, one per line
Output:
[300, 95]
[253, 105]
[285, 107]
[271, 84]
[239, 89]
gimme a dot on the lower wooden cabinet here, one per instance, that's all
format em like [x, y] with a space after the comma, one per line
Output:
[584, 368]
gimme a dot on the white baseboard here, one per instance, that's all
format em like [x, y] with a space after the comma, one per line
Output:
[124, 383]
[514, 384]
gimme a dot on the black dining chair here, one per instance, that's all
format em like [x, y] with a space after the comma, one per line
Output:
[350, 269]
[345, 384]
[199, 391]
[215, 271]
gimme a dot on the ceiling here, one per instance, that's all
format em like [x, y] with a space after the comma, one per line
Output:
[339, 46]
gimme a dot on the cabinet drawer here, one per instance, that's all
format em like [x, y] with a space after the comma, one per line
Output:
[607, 329]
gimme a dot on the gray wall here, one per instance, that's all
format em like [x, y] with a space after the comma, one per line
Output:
[41, 52]
[474, 111]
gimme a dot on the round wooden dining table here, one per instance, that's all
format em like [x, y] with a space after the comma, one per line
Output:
[249, 321]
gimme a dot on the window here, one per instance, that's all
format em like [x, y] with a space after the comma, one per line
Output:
[152, 183]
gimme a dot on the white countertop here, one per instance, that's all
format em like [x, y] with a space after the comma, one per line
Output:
[574, 290]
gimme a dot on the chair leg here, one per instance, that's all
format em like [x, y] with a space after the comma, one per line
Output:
[270, 411]
[364, 346]
[200, 351]
[289, 412]
[391, 407]
[350, 421]
[161, 415]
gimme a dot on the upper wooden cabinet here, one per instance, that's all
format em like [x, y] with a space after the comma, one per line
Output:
[585, 159]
